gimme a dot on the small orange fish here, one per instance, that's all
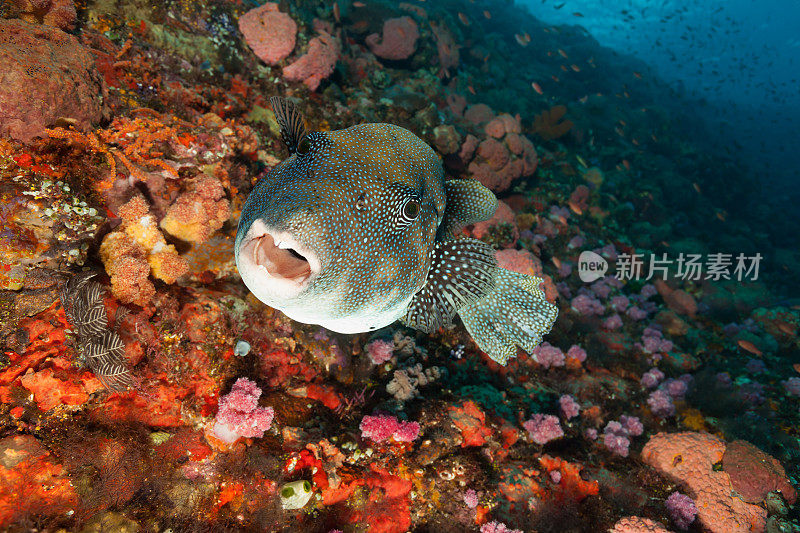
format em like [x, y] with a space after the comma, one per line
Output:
[786, 328]
[463, 18]
[697, 187]
[563, 53]
[796, 367]
[575, 208]
[577, 14]
[749, 347]
[520, 39]
[487, 14]
[527, 37]
[584, 99]
[638, 75]
[470, 89]
[721, 215]
[563, 68]
[626, 164]
[575, 67]
[556, 262]
[359, 4]
[337, 15]
[619, 131]
[555, 79]
[623, 122]
[626, 94]
[635, 141]
[537, 87]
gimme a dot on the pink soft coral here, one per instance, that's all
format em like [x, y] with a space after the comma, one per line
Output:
[498, 527]
[381, 427]
[239, 414]
[380, 351]
[543, 428]
[549, 356]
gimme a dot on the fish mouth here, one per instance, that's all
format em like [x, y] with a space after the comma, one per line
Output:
[274, 264]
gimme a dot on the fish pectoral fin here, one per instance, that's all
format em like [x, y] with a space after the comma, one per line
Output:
[468, 202]
[515, 313]
[290, 120]
[462, 271]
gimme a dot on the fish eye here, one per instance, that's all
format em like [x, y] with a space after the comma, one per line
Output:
[411, 209]
[304, 146]
[361, 202]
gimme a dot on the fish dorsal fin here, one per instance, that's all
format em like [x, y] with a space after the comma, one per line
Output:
[462, 271]
[468, 202]
[290, 119]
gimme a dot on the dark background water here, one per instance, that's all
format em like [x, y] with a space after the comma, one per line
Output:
[737, 61]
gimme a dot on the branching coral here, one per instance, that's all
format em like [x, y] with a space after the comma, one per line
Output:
[143, 140]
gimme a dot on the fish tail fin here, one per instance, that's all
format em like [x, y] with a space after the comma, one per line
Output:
[515, 313]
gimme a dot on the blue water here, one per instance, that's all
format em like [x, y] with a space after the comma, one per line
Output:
[739, 61]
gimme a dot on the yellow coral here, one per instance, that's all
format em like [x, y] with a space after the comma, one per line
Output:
[694, 419]
[136, 250]
[145, 232]
[126, 264]
[167, 265]
[198, 212]
[525, 221]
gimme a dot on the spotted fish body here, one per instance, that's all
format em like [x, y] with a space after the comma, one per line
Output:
[355, 230]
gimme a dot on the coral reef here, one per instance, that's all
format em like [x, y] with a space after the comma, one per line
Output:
[142, 387]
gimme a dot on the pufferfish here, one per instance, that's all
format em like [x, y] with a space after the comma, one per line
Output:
[358, 229]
